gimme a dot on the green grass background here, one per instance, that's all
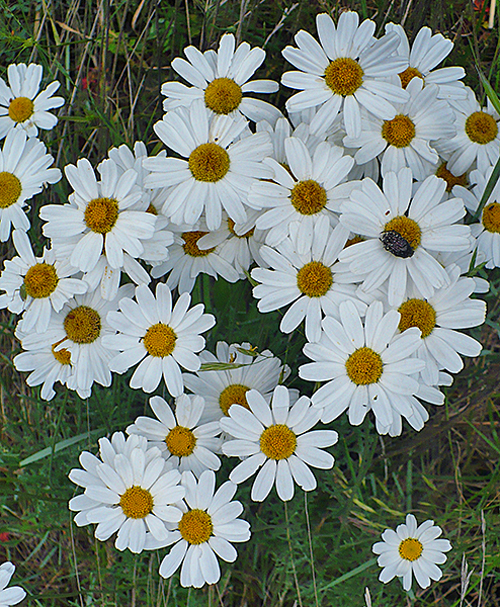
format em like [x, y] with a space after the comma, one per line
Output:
[317, 550]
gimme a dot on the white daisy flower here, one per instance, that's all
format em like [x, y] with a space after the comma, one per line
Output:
[477, 141]
[24, 165]
[402, 233]
[427, 52]
[412, 550]
[276, 439]
[225, 379]
[14, 594]
[346, 71]
[405, 141]
[207, 529]
[221, 80]
[187, 260]
[302, 194]
[37, 285]
[164, 339]
[179, 435]
[365, 366]
[306, 281]
[22, 106]
[217, 167]
[487, 231]
[134, 494]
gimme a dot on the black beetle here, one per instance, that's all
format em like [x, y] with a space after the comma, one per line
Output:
[396, 244]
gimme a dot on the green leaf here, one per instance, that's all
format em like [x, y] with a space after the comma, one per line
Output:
[58, 447]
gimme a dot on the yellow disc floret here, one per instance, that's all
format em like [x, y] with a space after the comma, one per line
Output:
[417, 313]
[278, 442]
[234, 394]
[481, 127]
[180, 441]
[10, 189]
[408, 75]
[160, 340]
[196, 526]
[20, 109]
[407, 228]
[399, 131]
[209, 162]
[136, 502]
[364, 366]
[451, 180]
[491, 217]
[410, 549]
[223, 95]
[101, 214]
[344, 76]
[314, 279]
[62, 356]
[82, 325]
[190, 245]
[308, 197]
[40, 280]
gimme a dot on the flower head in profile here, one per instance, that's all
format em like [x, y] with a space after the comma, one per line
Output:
[412, 550]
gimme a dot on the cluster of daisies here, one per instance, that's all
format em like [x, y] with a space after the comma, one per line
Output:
[349, 214]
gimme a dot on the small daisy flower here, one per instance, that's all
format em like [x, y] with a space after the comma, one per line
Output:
[22, 106]
[187, 260]
[306, 281]
[208, 527]
[162, 337]
[347, 70]
[427, 52]
[14, 594]
[365, 366]
[225, 379]
[216, 169]
[221, 80]
[24, 171]
[37, 285]
[276, 439]
[487, 231]
[405, 141]
[412, 550]
[300, 195]
[179, 435]
[402, 233]
[134, 495]
[477, 141]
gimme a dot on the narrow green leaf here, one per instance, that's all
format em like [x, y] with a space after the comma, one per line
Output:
[349, 574]
[58, 447]
[492, 181]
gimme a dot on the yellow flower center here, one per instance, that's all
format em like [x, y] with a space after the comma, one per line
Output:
[223, 95]
[101, 214]
[160, 340]
[417, 313]
[451, 180]
[344, 76]
[314, 279]
[40, 280]
[10, 189]
[20, 109]
[196, 526]
[191, 248]
[230, 225]
[152, 209]
[399, 131]
[234, 394]
[410, 549]
[491, 217]
[278, 442]
[136, 502]
[408, 75]
[407, 228]
[353, 240]
[481, 127]
[308, 197]
[82, 325]
[62, 356]
[180, 441]
[364, 366]
[209, 162]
